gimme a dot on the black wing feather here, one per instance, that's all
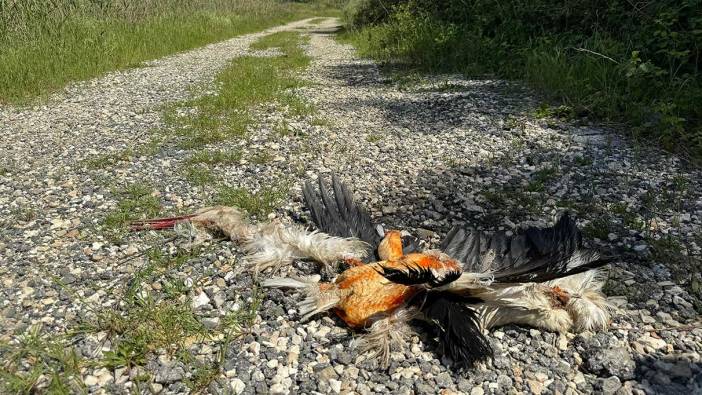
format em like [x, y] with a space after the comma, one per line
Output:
[417, 275]
[532, 255]
[340, 215]
[458, 327]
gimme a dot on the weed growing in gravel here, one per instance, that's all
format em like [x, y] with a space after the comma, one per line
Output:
[540, 178]
[599, 228]
[135, 201]
[561, 112]
[160, 319]
[199, 175]
[258, 204]
[320, 121]
[146, 325]
[107, 160]
[39, 360]
[515, 202]
[261, 158]
[373, 138]
[248, 82]
[283, 128]
[296, 106]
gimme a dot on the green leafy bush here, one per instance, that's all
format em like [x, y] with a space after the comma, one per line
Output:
[616, 60]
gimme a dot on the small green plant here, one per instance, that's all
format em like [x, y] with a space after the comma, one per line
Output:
[513, 123]
[136, 201]
[199, 175]
[320, 121]
[373, 138]
[259, 203]
[599, 228]
[547, 111]
[107, 160]
[261, 158]
[283, 128]
[584, 161]
[540, 178]
[629, 218]
[40, 360]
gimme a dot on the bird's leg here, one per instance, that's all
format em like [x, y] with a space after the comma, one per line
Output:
[159, 223]
[385, 335]
[391, 246]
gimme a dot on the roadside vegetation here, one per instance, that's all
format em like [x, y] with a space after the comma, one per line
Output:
[46, 44]
[618, 61]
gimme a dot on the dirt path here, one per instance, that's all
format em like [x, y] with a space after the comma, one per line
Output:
[422, 155]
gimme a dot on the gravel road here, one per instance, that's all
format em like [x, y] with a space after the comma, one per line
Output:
[421, 154]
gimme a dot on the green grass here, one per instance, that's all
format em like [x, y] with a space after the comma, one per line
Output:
[125, 155]
[45, 45]
[199, 175]
[316, 21]
[136, 201]
[246, 83]
[542, 177]
[258, 204]
[38, 359]
[145, 324]
[373, 138]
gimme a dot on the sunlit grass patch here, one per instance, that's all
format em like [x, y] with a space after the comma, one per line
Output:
[247, 82]
[259, 203]
[199, 175]
[215, 157]
[45, 45]
[104, 161]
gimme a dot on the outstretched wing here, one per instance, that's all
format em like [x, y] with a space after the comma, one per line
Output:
[458, 327]
[339, 215]
[532, 255]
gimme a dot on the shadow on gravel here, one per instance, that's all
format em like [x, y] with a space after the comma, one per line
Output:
[429, 107]
[670, 375]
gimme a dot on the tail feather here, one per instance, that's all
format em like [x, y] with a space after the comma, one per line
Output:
[387, 334]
